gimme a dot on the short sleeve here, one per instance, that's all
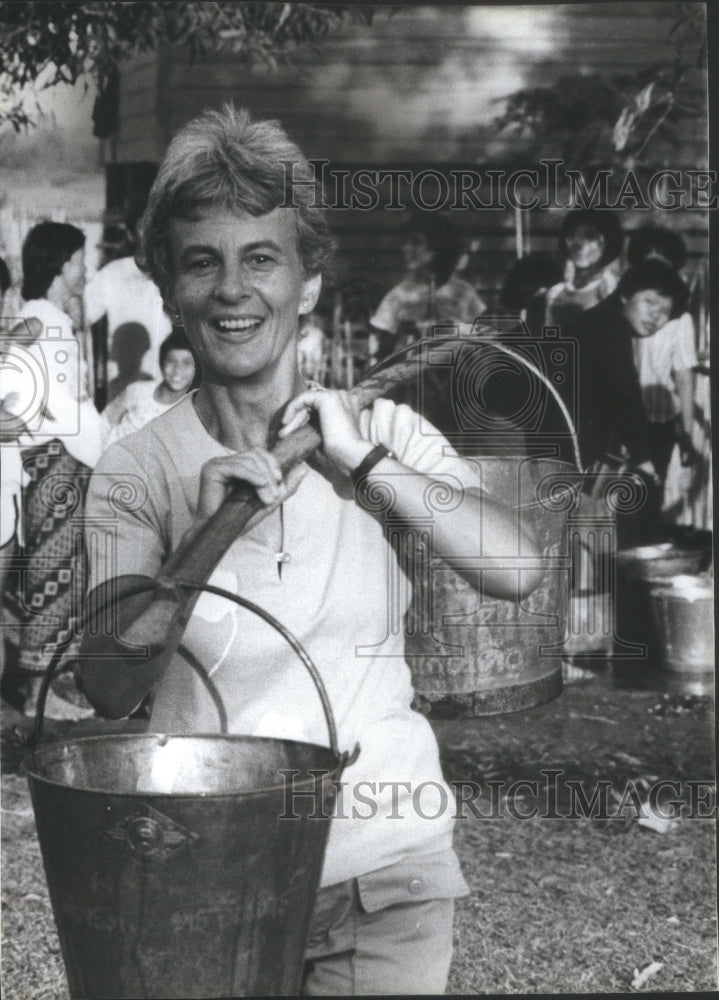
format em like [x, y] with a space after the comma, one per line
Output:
[475, 307]
[416, 443]
[95, 298]
[466, 303]
[685, 355]
[124, 531]
[387, 316]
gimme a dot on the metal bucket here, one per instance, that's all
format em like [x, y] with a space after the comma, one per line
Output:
[684, 617]
[471, 655]
[639, 570]
[184, 866]
[662, 561]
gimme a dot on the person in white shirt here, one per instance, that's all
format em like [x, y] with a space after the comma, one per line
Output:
[56, 440]
[142, 401]
[123, 294]
[430, 292]
[665, 360]
[430, 296]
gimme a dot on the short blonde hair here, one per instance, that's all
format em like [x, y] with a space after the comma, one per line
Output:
[223, 158]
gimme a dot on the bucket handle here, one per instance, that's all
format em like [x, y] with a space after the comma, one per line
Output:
[396, 368]
[504, 349]
[176, 584]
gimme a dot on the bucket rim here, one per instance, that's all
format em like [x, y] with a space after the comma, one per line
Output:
[691, 594]
[175, 585]
[572, 488]
[29, 765]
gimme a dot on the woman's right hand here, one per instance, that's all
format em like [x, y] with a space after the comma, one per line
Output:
[258, 467]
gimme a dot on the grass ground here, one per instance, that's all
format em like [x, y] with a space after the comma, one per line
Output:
[569, 905]
[578, 905]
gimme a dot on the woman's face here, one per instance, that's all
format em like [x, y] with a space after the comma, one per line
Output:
[416, 252]
[178, 369]
[585, 247]
[239, 286]
[647, 311]
[73, 272]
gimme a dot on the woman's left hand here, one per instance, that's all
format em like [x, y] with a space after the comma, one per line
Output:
[338, 412]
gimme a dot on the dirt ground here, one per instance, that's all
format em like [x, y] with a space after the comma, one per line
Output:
[622, 900]
[579, 905]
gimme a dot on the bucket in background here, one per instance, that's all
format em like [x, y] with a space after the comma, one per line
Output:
[472, 655]
[639, 570]
[658, 562]
[683, 611]
[184, 866]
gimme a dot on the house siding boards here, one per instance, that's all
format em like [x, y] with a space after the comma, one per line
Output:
[418, 87]
[378, 93]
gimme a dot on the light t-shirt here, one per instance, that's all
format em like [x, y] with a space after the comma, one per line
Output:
[134, 407]
[341, 592]
[671, 349]
[454, 303]
[120, 291]
[44, 383]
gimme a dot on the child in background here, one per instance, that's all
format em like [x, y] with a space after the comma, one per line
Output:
[142, 401]
[665, 360]
[430, 293]
[591, 241]
[52, 438]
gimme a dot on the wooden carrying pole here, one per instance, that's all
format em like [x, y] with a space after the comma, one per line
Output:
[163, 614]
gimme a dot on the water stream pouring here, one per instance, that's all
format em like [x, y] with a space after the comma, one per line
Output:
[184, 866]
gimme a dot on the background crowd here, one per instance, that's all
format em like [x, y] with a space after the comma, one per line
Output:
[110, 359]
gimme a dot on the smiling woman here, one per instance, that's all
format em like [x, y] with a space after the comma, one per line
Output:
[224, 160]
[240, 286]
[238, 266]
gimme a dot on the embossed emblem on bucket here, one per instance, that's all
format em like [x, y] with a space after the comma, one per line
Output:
[150, 834]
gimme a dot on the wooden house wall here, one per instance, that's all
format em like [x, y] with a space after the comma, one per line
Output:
[418, 88]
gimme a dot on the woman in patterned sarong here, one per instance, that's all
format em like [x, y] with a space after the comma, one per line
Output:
[51, 442]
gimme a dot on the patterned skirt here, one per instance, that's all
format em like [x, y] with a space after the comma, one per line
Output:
[46, 589]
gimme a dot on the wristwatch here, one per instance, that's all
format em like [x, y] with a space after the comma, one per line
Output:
[369, 461]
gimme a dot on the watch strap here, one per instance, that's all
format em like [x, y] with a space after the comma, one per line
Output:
[369, 461]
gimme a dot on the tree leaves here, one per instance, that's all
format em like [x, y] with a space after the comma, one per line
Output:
[590, 119]
[45, 43]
